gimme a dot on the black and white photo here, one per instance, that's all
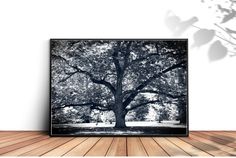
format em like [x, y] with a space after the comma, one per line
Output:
[119, 87]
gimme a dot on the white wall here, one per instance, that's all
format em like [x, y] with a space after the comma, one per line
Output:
[26, 27]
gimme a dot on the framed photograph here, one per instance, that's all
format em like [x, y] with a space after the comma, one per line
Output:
[119, 87]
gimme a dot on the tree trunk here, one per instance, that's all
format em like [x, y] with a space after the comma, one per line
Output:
[120, 119]
[119, 108]
[119, 112]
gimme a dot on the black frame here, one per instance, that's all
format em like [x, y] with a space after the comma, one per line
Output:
[143, 135]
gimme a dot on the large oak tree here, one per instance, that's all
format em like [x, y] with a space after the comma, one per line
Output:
[114, 75]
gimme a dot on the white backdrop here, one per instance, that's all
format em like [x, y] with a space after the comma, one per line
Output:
[26, 27]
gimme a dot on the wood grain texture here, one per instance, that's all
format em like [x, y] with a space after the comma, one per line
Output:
[135, 147]
[46, 148]
[232, 132]
[191, 150]
[101, 147]
[225, 135]
[28, 148]
[169, 147]
[205, 147]
[84, 147]
[118, 147]
[22, 144]
[203, 143]
[4, 134]
[63, 149]
[8, 143]
[226, 140]
[16, 136]
[201, 137]
[151, 147]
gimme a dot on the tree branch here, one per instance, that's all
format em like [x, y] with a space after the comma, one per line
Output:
[155, 92]
[127, 54]
[163, 93]
[142, 58]
[73, 105]
[96, 106]
[145, 83]
[69, 75]
[103, 82]
[142, 104]
[62, 58]
[115, 58]
[108, 74]
[101, 109]
[92, 78]
[181, 64]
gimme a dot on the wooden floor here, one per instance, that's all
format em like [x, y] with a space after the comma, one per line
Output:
[40, 144]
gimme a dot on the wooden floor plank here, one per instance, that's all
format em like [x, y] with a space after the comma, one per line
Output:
[232, 132]
[135, 147]
[48, 147]
[152, 148]
[231, 135]
[225, 135]
[5, 144]
[118, 147]
[203, 143]
[169, 147]
[84, 147]
[212, 150]
[101, 147]
[224, 148]
[63, 149]
[16, 146]
[188, 148]
[5, 134]
[12, 137]
[33, 146]
[228, 141]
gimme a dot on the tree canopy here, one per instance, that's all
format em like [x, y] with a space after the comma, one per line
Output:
[118, 75]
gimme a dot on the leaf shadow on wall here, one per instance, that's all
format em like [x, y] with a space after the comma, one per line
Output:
[221, 40]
